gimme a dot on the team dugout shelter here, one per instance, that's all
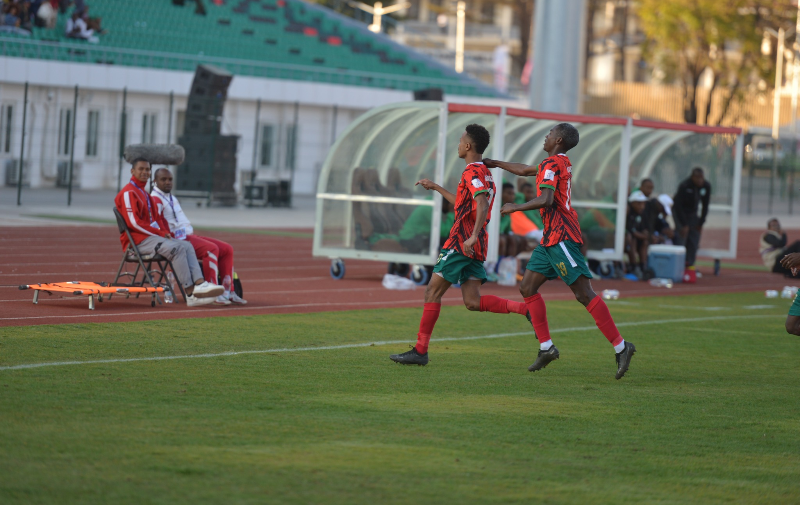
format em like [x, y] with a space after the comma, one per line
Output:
[369, 208]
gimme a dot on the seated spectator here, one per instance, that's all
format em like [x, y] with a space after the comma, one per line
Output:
[217, 256]
[10, 15]
[528, 193]
[637, 237]
[45, 13]
[656, 212]
[646, 187]
[151, 234]
[78, 29]
[773, 248]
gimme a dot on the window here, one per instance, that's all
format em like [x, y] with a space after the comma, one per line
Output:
[6, 127]
[149, 128]
[65, 132]
[265, 156]
[291, 145]
[92, 127]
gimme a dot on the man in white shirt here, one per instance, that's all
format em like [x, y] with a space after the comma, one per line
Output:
[216, 255]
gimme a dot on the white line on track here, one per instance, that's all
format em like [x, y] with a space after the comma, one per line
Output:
[366, 344]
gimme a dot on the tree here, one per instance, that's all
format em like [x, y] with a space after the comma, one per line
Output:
[688, 39]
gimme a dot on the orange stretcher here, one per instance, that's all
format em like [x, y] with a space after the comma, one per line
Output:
[91, 289]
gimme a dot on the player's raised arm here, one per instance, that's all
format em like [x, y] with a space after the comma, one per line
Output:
[430, 185]
[520, 169]
[543, 200]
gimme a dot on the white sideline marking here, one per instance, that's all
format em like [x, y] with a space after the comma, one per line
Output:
[366, 344]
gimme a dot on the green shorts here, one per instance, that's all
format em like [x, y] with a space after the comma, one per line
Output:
[563, 260]
[456, 268]
[795, 308]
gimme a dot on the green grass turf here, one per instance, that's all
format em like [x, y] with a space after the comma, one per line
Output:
[709, 413]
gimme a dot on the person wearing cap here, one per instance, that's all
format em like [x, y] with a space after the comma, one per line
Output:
[656, 212]
[637, 235]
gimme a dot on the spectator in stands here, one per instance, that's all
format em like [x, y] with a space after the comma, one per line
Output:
[692, 193]
[45, 13]
[637, 237]
[647, 187]
[77, 27]
[216, 255]
[151, 234]
[773, 248]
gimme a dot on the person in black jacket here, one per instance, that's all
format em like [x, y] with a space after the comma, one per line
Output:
[773, 248]
[688, 224]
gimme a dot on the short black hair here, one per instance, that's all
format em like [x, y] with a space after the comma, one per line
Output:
[646, 180]
[526, 186]
[137, 160]
[699, 170]
[508, 185]
[155, 174]
[771, 220]
[480, 137]
[568, 133]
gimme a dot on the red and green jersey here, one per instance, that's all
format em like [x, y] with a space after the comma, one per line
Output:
[475, 179]
[560, 219]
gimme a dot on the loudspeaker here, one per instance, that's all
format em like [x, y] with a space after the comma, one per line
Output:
[206, 100]
[429, 94]
[210, 165]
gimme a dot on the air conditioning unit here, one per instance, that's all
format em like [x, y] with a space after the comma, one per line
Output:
[12, 173]
[62, 177]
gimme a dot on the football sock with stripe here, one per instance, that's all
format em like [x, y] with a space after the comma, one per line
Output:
[430, 313]
[602, 317]
[491, 303]
[538, 310]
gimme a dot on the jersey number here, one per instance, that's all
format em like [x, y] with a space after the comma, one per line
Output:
[562, 268]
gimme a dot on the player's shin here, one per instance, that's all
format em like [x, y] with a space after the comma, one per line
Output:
[430, 313]
[602, 317]
[491, 303]
[538, 310]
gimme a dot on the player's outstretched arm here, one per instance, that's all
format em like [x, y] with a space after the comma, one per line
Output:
[432, 186]
[543, 200]
[520, 169]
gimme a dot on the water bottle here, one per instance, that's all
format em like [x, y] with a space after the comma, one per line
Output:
[661, 283]
[226, 283]
[168, 295]
[771, 293]
[168, 289]
[171, 279]
[610, 294]
[507, 272]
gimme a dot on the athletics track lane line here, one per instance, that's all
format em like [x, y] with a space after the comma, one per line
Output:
[367, 344]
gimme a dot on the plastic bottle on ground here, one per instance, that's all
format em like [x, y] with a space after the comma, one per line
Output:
[226, 283]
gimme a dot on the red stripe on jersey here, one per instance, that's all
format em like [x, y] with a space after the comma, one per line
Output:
[560, 219]
[475, 179]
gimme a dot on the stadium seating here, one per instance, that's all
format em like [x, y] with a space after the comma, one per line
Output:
[268, 38]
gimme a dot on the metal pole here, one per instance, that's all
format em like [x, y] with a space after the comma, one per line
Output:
[72, 147]
[169, 124]
[333, 123]
[21, 170]
[255, 152]
[460, 7]
[124, 121]
[776, 116]
[294, 151]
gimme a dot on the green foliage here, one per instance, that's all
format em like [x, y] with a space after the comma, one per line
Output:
[708, 413]
[687, 38]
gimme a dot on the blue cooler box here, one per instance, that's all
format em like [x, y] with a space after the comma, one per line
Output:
[667, 261]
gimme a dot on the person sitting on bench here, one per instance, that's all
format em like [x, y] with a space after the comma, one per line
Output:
[152, 236]
[216, 255]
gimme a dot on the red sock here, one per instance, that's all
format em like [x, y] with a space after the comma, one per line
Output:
[430, 313]
[491, 303]
[538, 310]
[602, 317]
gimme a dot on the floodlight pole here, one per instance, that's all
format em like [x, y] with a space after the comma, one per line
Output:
[776, 114]
[460, 14]
[123, 125]
[255, 153]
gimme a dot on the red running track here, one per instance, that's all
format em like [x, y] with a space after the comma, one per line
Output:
[278, 273]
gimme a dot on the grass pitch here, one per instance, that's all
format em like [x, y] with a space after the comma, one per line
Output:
[708, 413]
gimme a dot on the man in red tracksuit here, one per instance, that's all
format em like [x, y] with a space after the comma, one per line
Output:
[151, 234]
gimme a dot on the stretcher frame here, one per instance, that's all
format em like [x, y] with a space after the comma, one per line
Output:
[91, 289]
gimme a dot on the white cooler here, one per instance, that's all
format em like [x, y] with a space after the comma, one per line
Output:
[667, 261]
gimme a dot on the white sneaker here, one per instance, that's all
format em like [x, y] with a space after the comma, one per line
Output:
[207, 290]
[234, 298]
[221, 300]
[193, 301]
